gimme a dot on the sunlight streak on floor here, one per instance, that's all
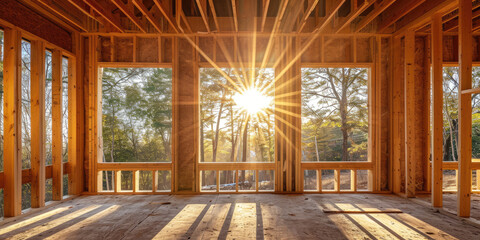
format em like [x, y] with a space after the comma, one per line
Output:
[54, 223]
[64, 233]
[32, 220]
[181, 223]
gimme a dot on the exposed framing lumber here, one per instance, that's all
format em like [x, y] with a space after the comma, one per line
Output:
[214, 14]
[354, 14]
[329, 15]
[372, 15]
[49, 4]
[128, 11]
[421, 15]
[453, 24]
[234, 11]
[57, 141]
[312, 4]
[150, 17]
[12, 123]
[202, 6]
[437, 111]
[465, 109]
[410, 130]
[105, 12]
[397, 11]
[167, 14]
[37, 124]
[265, 4]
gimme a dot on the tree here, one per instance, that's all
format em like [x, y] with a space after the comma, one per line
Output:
[335, 107]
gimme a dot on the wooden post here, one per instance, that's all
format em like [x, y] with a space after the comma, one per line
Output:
[437, 112]
[76, 119]
[57, 145]
[398, 132]
[12, 123]
[37, 124]
[410, 124]
[465, 108]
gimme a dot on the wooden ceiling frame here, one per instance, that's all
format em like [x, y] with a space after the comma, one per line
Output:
[167, 13]
[234, 12]
[70, 19]
[128, 10]
[345, 22]
[214, 14]
[106, 12]
[202, 7]
[87, 10]
[312, 4]
[373, 14]
[265, 5]
[148, 14]
[395, 12]
[421, 16]
[329, 15]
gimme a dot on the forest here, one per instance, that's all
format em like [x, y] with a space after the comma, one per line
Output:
[136, 121]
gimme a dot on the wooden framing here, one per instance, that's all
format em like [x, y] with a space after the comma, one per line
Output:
[465, 109]
[57, 128]
[410, 134]
[437, 112]
[38, 127]
[12, 124]
[399, 61]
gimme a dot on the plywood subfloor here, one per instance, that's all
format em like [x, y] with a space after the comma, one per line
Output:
[236, 216]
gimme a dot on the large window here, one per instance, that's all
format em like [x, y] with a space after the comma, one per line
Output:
[136, 114]
[237, 118]
[334, 114]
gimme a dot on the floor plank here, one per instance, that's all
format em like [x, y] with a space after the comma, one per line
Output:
[237, 216]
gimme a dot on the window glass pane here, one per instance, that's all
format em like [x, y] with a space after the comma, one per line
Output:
[208, 181]
[237, 116]
[65, 109]
[48, 108]
[246, 180]
[137, 114]
[334, 114]
[145, 181]
[26, 125]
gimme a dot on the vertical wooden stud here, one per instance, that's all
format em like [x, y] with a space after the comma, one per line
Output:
[37, 124]
[465, 108]
[12, 123]
[57, 141]
[410, 124]
[437, 111]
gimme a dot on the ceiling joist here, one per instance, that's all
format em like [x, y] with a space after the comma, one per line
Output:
[396, 11]
[148, 14]
[105, 11]
[372, 15]
[343, 23]
[129, 12]
[312, 4]
[167, 13]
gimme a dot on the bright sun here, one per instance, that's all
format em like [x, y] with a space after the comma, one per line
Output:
[252, 101]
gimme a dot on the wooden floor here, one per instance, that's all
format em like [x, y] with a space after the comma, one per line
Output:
[450, 204]
[238, 216]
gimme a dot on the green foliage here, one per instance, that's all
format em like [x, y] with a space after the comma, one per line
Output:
[137, 114]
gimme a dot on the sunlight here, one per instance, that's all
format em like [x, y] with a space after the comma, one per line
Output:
[252, 101]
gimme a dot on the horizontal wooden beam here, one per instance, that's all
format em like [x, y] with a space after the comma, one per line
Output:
[133, 166]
